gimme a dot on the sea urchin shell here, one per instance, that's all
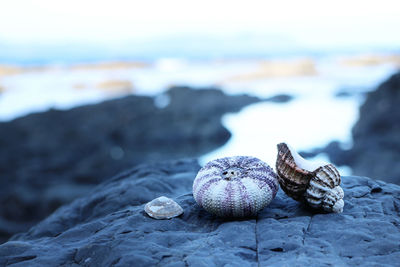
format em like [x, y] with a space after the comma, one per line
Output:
[316, 184]
[235, 186]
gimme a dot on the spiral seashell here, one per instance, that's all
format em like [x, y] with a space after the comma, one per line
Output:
[235, 186]
[318, 185]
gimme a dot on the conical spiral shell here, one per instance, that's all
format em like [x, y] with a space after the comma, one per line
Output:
[319, 188]
[235, 186]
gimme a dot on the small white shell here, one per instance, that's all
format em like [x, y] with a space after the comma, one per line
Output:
[319, 188]
[163, 208]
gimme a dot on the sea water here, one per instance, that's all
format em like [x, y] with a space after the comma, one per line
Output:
[313, 118]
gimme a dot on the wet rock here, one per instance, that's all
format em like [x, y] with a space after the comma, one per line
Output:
[334, 150]
[343, 94]
[48, 159]
[376, 143]
[281, 98]
[109, 227]
[376, 149]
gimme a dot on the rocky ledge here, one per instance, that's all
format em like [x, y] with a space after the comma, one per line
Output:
[49, 159]
[108, 227]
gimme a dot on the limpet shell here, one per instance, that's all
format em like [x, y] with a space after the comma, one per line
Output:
[237, 186]
[318, 185]
[163, 208]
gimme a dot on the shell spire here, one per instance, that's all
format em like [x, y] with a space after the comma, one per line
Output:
[318, 185]
[235, 186]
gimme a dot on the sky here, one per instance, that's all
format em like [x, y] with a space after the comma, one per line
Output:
[308, 23]
[84, 21]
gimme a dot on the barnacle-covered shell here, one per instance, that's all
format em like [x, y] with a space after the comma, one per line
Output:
[235, 186]
[163, 208]
[317, 185]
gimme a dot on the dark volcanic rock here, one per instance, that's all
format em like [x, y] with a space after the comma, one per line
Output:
[48, 159]
[335, 152]
[376, 136]
[343, 94]
[281, 98]
[108, 227]
[376, 150]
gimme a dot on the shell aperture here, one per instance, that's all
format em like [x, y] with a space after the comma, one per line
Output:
[316, 185]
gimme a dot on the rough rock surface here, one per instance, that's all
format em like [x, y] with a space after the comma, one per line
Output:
[108, 227]
[376, 136]
[48, 159]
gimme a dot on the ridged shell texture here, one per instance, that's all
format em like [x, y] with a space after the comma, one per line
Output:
[235, 186]
[319, 188]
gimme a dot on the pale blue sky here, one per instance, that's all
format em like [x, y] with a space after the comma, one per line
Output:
[88, 21]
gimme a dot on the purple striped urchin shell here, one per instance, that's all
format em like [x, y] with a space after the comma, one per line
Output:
[235, 186]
